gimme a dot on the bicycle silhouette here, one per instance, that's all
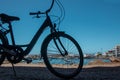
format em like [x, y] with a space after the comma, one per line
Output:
[57, 46]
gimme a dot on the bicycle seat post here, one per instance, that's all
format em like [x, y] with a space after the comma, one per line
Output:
[11, 33]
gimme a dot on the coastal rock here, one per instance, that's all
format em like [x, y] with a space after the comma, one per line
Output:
[114, 59]
[6, 62]
[96, 62]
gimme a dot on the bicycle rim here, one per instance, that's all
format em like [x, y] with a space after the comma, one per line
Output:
[65, 66]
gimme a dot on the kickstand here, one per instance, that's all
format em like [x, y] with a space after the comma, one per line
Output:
[14, 72]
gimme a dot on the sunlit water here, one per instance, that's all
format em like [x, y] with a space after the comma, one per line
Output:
[59, 61]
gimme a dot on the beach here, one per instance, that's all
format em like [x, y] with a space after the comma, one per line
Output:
[101, 71]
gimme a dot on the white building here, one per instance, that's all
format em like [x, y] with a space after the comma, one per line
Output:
[117, 50]
[114, 52]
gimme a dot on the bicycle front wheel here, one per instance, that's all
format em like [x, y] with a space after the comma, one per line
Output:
[60, 63]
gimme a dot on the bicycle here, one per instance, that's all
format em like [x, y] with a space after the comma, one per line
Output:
[57, 46]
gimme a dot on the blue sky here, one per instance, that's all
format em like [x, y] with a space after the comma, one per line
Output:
[95, 24]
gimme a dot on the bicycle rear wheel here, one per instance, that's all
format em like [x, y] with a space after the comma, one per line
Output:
[3, 41]
[61, 64]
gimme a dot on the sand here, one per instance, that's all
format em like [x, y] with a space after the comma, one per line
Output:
[106, 71]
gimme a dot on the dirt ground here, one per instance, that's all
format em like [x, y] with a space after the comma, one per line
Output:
[36, 72]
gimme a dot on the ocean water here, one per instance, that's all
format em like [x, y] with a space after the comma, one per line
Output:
[59, 61]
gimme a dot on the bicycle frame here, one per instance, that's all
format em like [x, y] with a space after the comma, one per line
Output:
[46, 23]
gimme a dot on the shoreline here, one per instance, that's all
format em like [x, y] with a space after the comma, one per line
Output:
[104, 64]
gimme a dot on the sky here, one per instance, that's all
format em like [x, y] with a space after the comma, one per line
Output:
[95, 24]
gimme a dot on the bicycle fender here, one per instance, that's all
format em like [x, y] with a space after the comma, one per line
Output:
[54, 34]
[57, 33]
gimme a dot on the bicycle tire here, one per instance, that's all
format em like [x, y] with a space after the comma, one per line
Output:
[3, 41]
[55, 68]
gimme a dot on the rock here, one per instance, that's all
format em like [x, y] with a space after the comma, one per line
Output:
[96, 62]
[114, 59]
[6, 62]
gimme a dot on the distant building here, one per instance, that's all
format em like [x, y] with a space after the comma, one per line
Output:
[114, 52]
[88, 55]
[117, 50]
[110, 53]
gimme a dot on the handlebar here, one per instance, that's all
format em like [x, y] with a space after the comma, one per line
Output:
[46, 12]
[36, 13]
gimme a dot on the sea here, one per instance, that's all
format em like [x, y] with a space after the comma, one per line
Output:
[54, 61]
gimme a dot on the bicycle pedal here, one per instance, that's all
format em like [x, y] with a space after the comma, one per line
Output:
[28, 60]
